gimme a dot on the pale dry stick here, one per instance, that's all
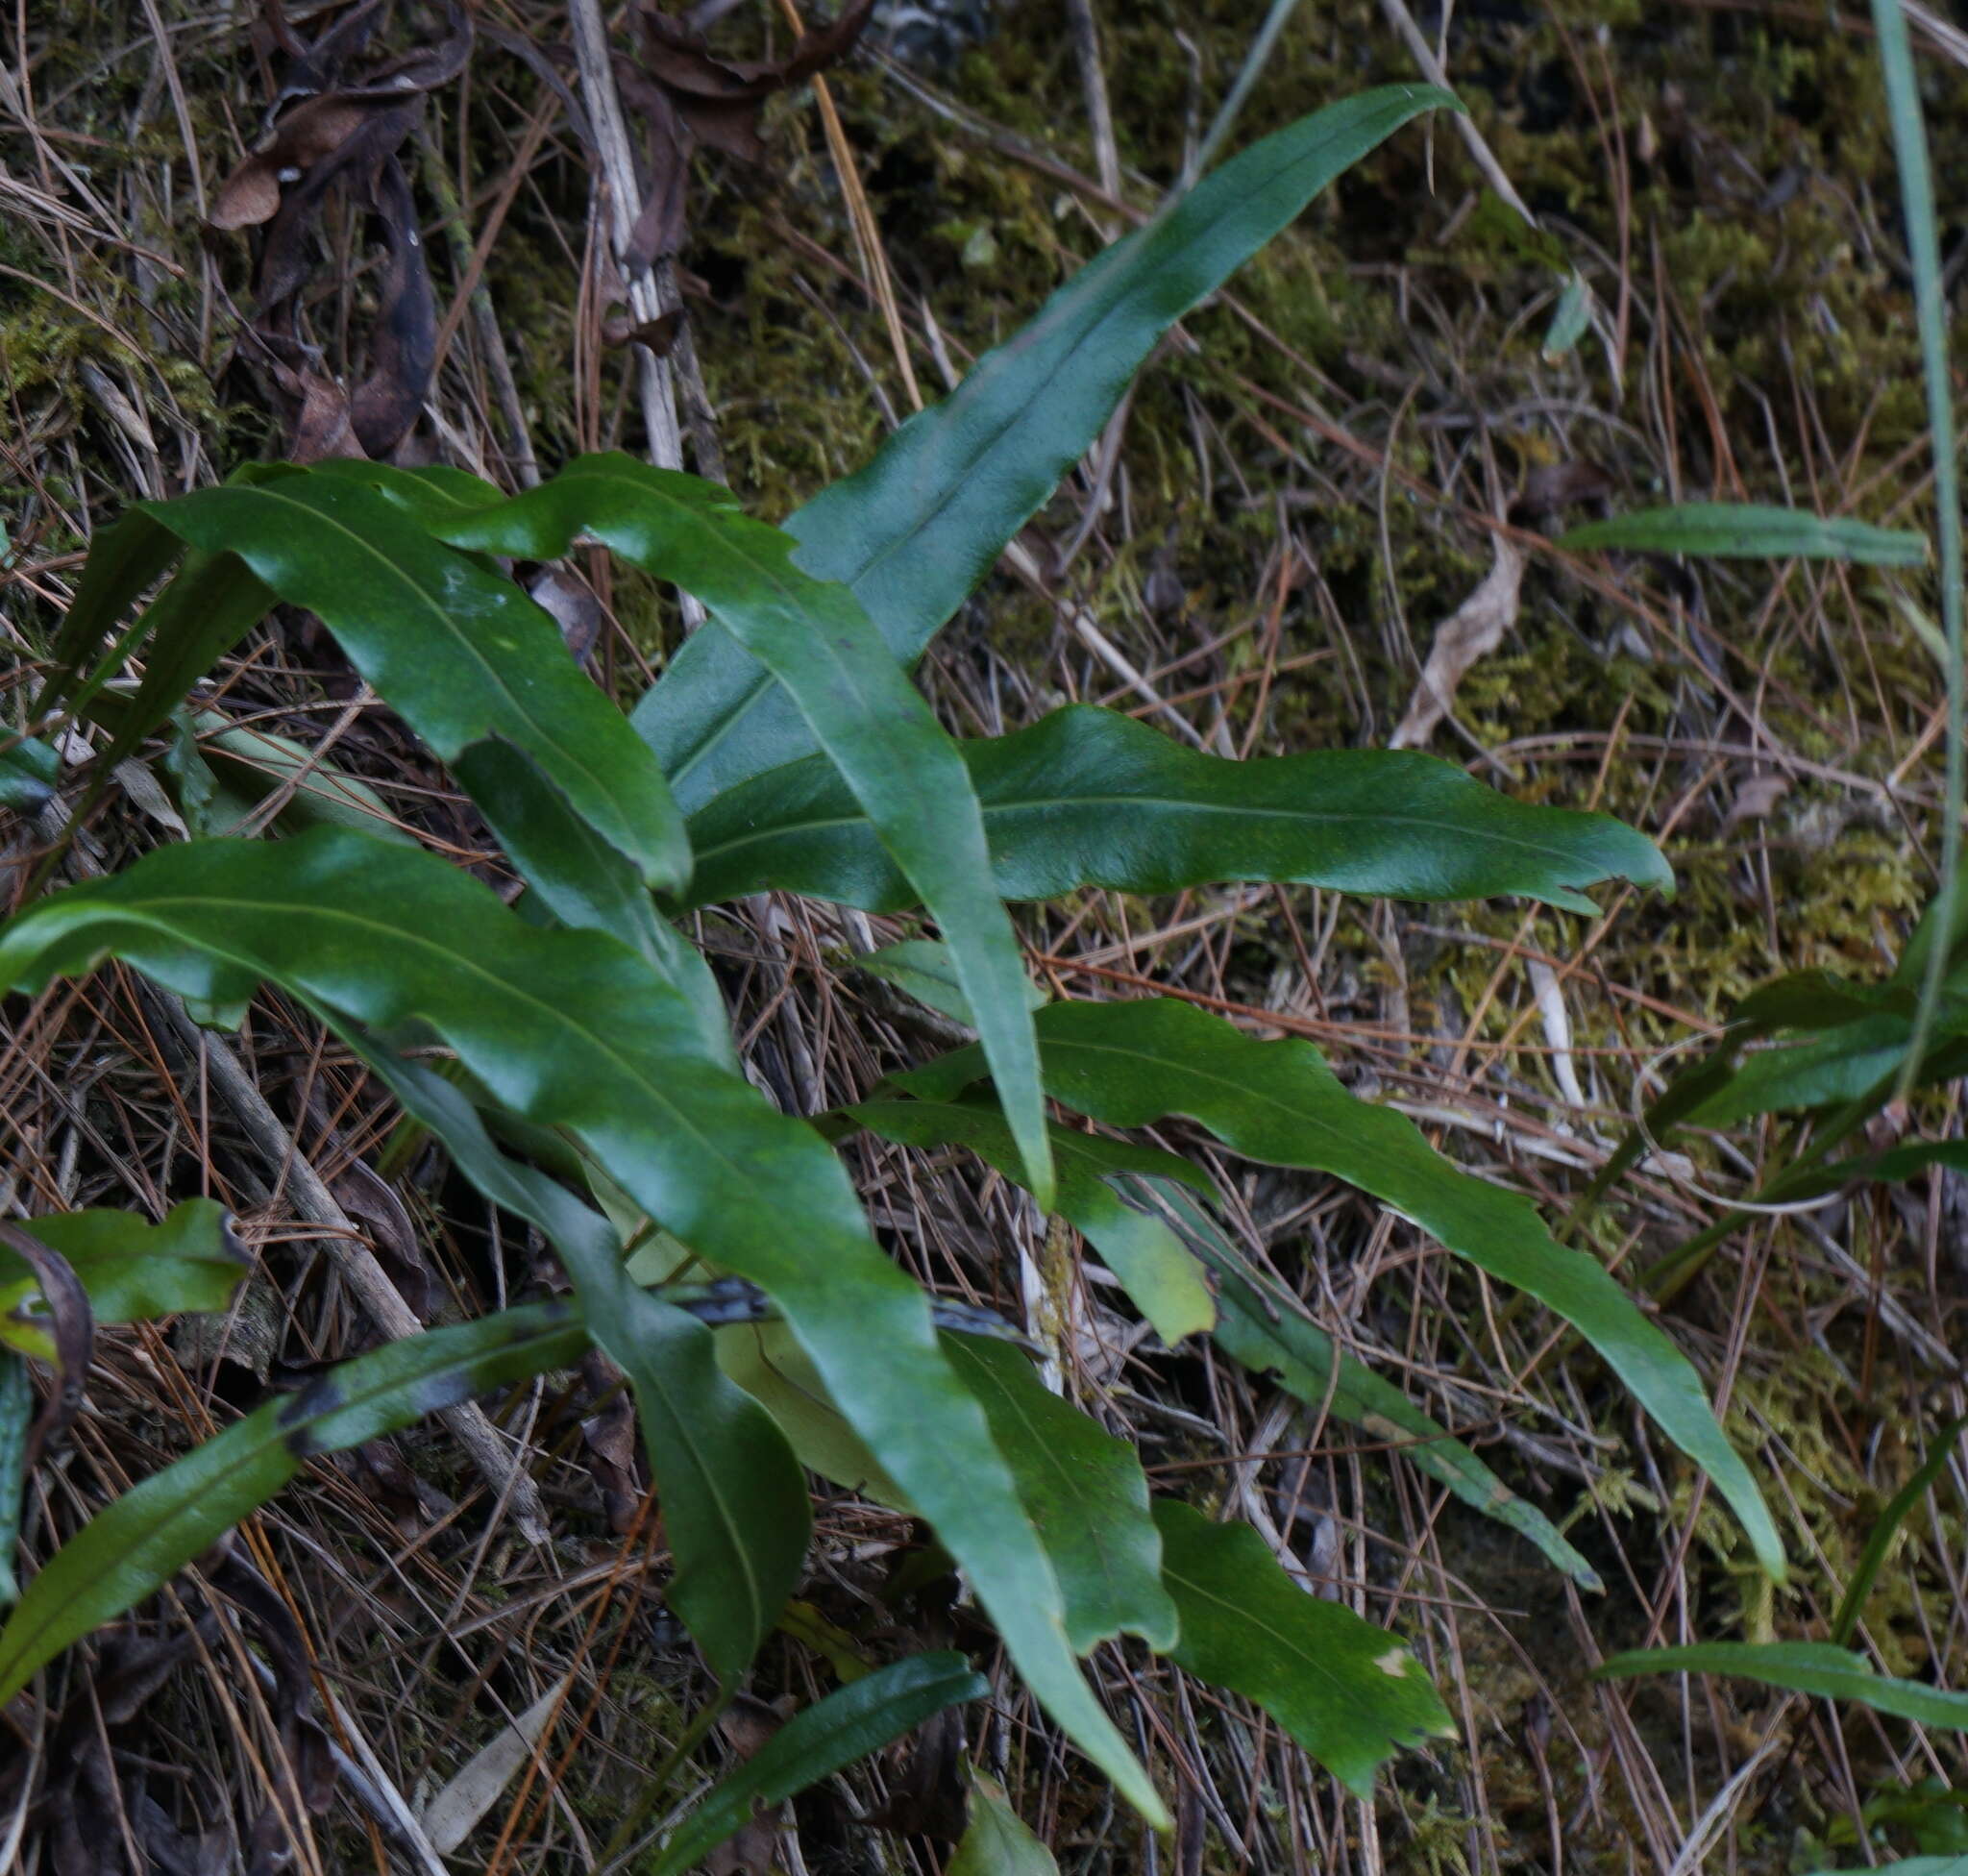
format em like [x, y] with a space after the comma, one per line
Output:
[1946, 38]
[1252, 69]
[1403, 23]
[1086, 45]
[376, 1788]
[16, 1825]
[648, 297]
[180, 107]
[1713, 1821]
[265, 815]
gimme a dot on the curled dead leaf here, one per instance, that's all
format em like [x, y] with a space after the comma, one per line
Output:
[335, 128]
[1472, 631]
[688, 95]
[315, 131]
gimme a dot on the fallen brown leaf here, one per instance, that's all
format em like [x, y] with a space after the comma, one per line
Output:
[1473, 630]
[689, 95]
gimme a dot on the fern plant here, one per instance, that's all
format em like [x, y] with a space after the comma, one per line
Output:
[574, 1058]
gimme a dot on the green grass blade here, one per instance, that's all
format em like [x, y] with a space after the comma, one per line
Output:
[1931, 310]
[1803, 1667]
[461, 653]
[1748, 530]
[1880, 1538]
[571, 1029]
[916, 530]
[1350, 1693]
[1128, 1065]
[1089, 798]
[137, 1544]
[137, 1272]
[849, 1724]
[895, 758]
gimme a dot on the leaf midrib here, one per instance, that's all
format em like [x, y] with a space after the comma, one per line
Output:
[824, 824]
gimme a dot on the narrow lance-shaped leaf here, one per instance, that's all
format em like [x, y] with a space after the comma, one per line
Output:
[1268, 1331]
[258, 763]
[917, 528]
[213, 601]
[134, 1272]
[462, 653]
[123, 558]
[1161, 1277]
[571, 1029]
[1129, 1064]
[1804, 1667]
[1089, 798]
[1889, 1168]
[133, 1546]
[849, 1724]
[586, 883]
[1839, 1065]
[1347, 1691]
[734, 1504]
[16, 1420]
[1936, 1866]
[1746, 531]
[1084, 1492]
[1084, 1489]
[433, 496]
[922, 968]
[872, 722]
[1932, 315]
